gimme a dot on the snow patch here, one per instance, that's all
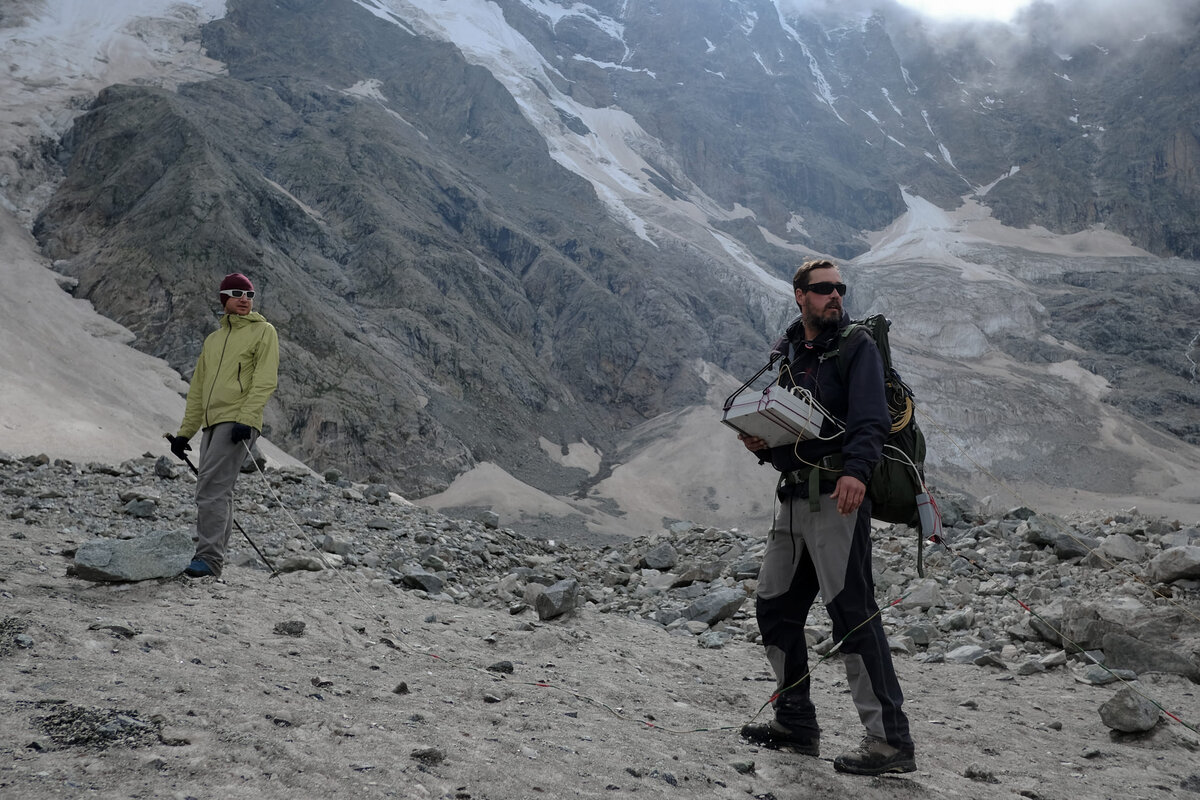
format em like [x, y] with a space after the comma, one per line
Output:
[611, 65]
[557, 13]
[749, 22]
[369, 89]
[928, 125]
[888, 96]
[946, 154]
[824, 92]
[380, 10]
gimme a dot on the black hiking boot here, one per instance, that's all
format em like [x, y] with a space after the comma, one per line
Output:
[875, 757]
[777, 737]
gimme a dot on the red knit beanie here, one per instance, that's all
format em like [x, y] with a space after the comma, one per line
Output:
[234, 280]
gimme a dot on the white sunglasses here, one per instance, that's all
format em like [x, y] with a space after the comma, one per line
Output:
[239, 292]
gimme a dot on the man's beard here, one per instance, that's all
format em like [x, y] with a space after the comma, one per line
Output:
[828, 321]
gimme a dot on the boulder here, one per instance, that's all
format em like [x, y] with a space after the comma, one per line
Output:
[557, 599]
[661, 557]
[1129, 712]
[1125, 652]
[712, 608]
[1176, 564]
[162, 554]
[1122, 547]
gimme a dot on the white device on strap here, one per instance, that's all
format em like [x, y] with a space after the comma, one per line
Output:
[777, 415]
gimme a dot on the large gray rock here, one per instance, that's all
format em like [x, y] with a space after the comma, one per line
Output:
[1129, 712]
[925, 594]
[712, 608]
[420, 578]
[1126, 652]
[1176, 564]
[966, 654]
[557, 599]
[1122, 547]
[661, 557]
[700, 572]
[162, 554]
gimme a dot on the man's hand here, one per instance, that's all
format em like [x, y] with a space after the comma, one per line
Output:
[753, 443]
[849, 494]
[241, 432]
[179, 446]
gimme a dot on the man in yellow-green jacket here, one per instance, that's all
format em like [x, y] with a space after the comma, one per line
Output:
[236, 373]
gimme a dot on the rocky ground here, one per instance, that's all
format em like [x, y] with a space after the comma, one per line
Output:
[401, 653]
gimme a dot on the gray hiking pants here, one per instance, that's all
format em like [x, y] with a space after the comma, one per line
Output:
[824, 551]
[220, 463]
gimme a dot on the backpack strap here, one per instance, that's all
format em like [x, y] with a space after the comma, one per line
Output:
[836, 352]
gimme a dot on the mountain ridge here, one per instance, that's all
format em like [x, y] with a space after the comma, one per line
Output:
[455, 283]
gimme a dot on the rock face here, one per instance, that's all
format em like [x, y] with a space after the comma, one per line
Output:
[440, 286]
[448, 292]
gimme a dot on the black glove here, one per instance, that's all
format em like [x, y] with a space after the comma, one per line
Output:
[241, 432]
[179, 446]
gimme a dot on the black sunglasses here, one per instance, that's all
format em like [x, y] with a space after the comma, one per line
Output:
[826, 287]
[239, 292]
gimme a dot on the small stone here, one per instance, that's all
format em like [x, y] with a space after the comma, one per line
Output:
[290, 628]
[429, 755]
[979, 774]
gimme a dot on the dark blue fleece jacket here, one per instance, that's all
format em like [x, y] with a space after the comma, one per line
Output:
[859, 403]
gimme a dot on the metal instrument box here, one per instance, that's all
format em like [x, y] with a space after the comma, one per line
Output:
[775, 415]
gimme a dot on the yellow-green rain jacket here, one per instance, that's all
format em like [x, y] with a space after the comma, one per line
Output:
[236, 373]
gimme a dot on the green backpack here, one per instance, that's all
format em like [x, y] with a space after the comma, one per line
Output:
[899, 477]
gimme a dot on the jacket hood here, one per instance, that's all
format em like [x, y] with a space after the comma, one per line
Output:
[238, 319]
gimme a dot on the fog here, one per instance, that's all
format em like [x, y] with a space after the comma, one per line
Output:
[1063, 24]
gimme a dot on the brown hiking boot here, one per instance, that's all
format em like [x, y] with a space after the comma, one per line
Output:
[778, 737]
[875, 757]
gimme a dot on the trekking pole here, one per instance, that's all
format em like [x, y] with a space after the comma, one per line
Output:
[236, 524]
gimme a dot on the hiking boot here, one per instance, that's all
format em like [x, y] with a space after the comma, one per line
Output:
[778, 737]
[875, 757]
[199, 569]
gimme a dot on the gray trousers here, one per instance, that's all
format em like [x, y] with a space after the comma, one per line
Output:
[810, 552]
[220, 464]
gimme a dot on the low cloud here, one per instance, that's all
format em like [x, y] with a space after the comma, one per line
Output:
[1069, 24]
[1064, 24]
